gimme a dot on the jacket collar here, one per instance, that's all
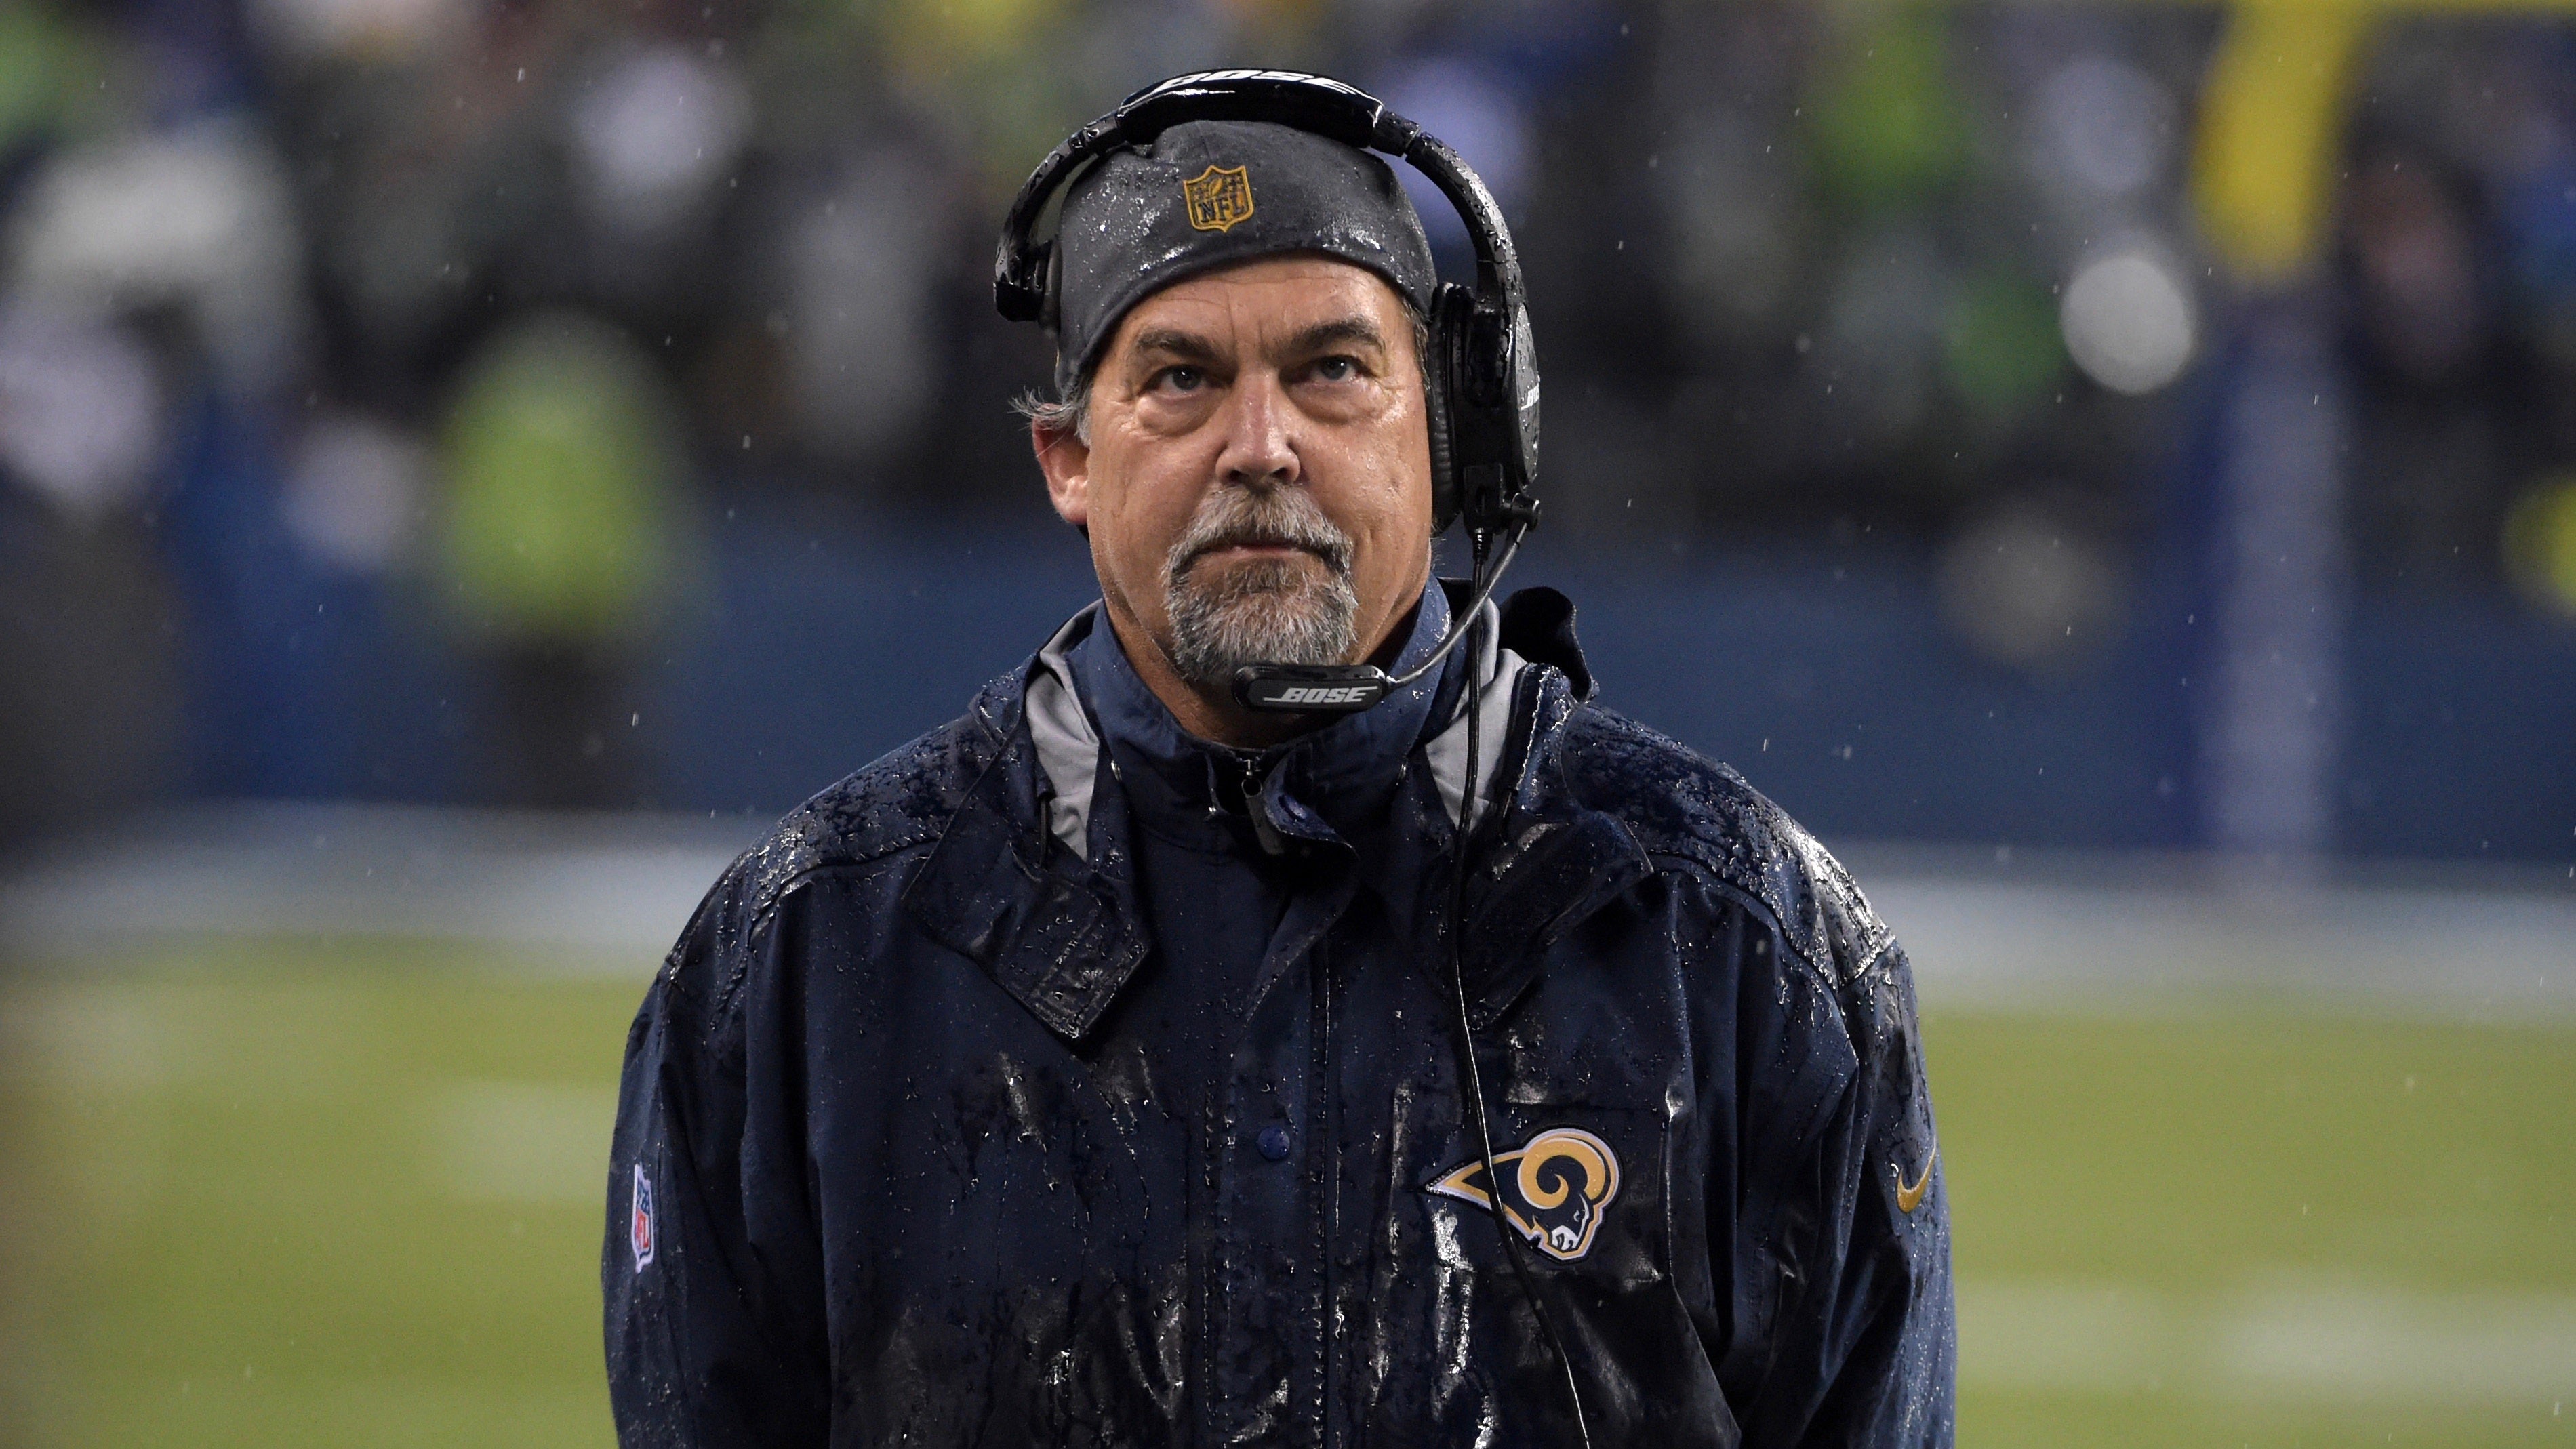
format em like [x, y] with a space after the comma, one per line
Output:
[1317, 786]
[1062, 932]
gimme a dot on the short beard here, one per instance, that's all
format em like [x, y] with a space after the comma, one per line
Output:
[1261, 611]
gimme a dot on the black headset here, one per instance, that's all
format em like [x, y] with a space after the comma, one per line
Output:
[1483, 394]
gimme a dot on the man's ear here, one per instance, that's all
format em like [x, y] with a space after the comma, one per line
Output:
[1066, 461]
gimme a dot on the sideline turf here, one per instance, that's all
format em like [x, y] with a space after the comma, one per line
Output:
[252, 1223]
[317, 1193]
[2247, 1168]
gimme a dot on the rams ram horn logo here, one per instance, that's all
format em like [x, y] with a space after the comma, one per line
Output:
[1555, 1188]
[1218, 198]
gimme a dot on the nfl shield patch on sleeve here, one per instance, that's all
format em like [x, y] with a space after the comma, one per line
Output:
[639, 1225]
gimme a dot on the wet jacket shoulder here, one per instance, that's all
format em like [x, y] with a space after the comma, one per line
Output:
[897, 804]
[731, 1348]
[1839, 1326]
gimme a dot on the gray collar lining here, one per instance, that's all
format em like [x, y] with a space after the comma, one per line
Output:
[1068, 748]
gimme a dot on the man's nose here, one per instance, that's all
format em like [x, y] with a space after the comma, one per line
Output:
[1260, 438]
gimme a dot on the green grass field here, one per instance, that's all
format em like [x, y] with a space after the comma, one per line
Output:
[300, 1194]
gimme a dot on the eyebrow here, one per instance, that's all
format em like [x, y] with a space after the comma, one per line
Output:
[1173, 342]
[1190, 346]
[1322, 335]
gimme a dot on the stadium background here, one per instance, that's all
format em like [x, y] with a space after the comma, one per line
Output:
[2109, 469]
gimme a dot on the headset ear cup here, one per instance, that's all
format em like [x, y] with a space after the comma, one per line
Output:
[1441, 374]
[1444, 471]
[1521, 401]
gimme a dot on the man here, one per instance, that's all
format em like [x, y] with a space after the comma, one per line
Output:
[1085, 1072]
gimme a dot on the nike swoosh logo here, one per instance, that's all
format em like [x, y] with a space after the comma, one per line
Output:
[1910, 1196]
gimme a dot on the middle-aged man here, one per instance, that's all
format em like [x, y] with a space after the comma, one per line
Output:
[1090, 1070]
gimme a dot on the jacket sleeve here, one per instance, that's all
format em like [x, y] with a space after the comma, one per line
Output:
[1864, 1345]
[711, 1273]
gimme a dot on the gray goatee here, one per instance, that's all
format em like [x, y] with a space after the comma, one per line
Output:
[1294, 610]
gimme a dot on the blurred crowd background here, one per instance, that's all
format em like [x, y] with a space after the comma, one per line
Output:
[2144, 426]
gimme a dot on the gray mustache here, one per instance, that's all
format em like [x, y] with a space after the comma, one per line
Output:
[1277, 518]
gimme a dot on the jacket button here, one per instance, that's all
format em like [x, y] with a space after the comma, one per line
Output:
[1273, 1143]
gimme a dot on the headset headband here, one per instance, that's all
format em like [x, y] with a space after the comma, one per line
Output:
[1314, 103]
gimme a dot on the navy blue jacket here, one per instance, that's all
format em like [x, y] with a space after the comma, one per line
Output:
[904, 1154]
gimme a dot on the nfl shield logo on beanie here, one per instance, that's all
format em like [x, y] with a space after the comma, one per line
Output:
[639, 1226]
[1219, 197]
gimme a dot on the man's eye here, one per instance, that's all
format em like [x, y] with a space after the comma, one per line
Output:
[1337, 369]
[1180, 379]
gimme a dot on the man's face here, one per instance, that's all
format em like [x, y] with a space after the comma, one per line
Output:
[1257, 485]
